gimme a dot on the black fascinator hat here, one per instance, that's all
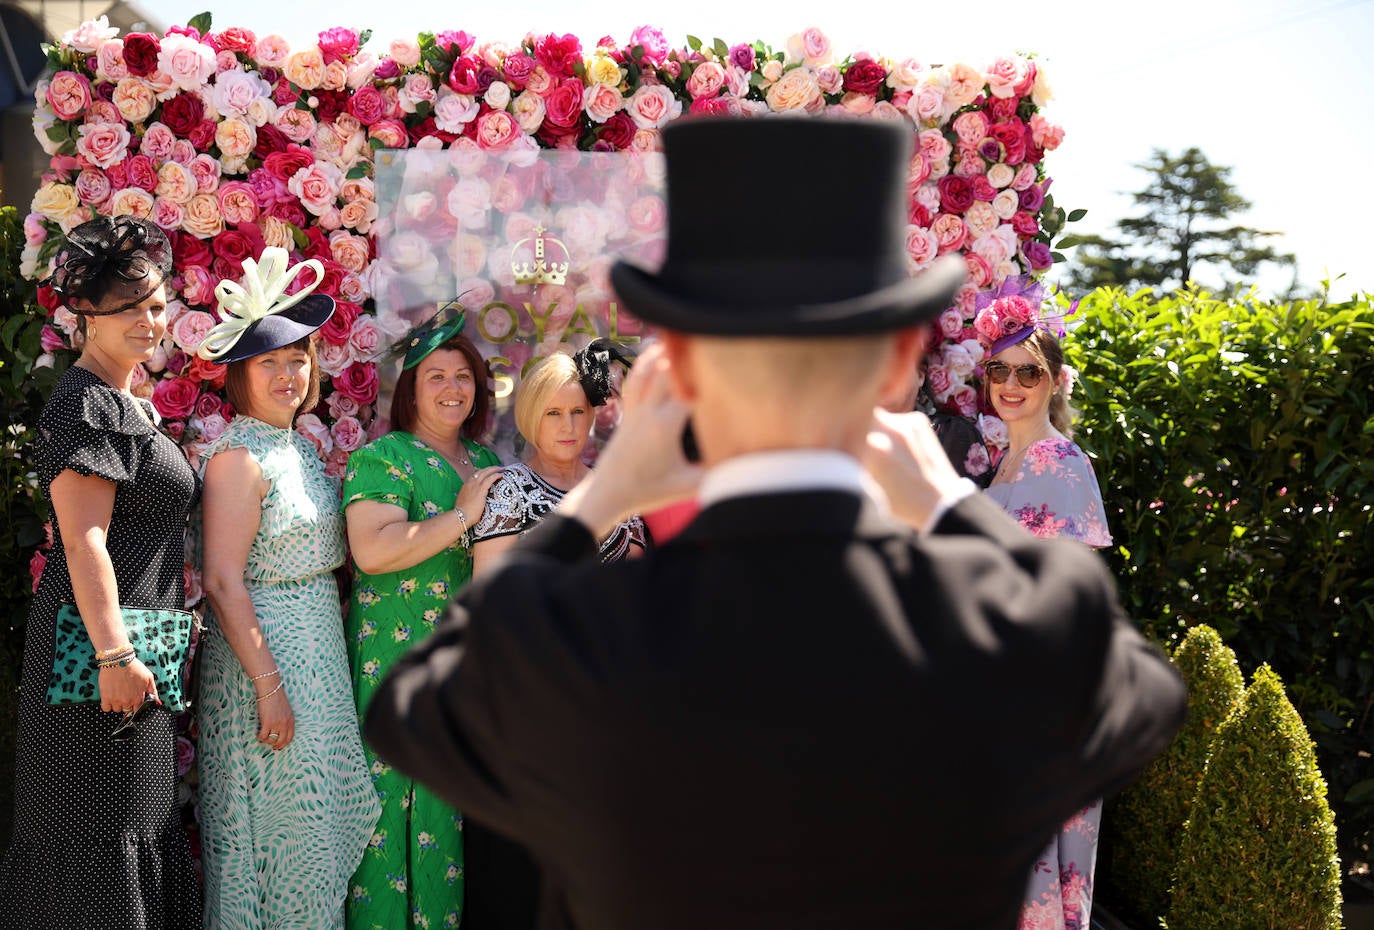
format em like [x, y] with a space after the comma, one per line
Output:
[107, 254]
[833, 260]
[594, 368]
[258, 315]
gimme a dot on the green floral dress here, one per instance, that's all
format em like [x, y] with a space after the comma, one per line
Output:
[412, 873]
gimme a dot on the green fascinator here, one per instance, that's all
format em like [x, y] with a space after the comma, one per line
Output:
[447, 322]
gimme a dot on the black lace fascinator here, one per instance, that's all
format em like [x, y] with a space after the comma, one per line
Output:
[109, 254]
[594, 368]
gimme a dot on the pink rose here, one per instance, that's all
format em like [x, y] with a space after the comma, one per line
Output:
[921, 246]
[950, 232]
[365, 338]
[168, 214]
[971, 127]
[237, 202]
[1045, 134]
[964, 400]
[198, 285]
[368, 105]
[206, 171]
[36, 563]
[938, 380]
[93, 186]
[348, 434]
[271, 51]
[175, 182]
[175, 398]
[404, 52]
[310, 426]
[926, 105]
[341, 406]
[338, 43]
[563, 103]
[647, 214]
[358, 381]
[210, 427]
[706, 80]
[829, 79]
[190, 328]
[103, 144]
[495, 130]
[316, 186]
[601, 102]
[1004, 75]
[416, 89]
[110, 60]
[186, 62]
[158, 142]
[653, 106]
[68, 94]
[951, 324]
[131, 201]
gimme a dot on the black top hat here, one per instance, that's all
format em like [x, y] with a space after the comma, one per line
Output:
[263, 317]
[787, 226]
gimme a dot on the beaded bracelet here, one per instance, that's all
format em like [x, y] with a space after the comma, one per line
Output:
[463, 538]
[264, 675]
[269, 693]
[102, 654]
[118, 660]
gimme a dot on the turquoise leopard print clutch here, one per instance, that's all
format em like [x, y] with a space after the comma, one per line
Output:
[161, 638]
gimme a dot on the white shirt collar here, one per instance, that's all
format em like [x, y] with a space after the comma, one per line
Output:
[784, 471]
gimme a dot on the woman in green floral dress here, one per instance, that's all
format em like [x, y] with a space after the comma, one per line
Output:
[409, 498]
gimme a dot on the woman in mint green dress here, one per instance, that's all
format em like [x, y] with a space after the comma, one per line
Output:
[286, 807]
[409, 498]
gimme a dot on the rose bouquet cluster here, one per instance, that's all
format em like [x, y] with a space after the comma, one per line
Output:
[232, 142]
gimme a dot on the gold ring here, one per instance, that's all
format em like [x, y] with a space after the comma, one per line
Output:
[274, 736]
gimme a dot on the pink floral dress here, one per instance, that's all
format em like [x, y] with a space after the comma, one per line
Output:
[1055, 493]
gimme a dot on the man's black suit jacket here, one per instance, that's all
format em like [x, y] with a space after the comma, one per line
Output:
[796, 714]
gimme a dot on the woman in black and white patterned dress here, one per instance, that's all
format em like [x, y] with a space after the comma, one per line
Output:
[98, 839]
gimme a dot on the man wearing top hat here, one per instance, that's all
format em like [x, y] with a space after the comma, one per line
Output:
[824, 703]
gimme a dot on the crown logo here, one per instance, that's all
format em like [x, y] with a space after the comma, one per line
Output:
[540, 260]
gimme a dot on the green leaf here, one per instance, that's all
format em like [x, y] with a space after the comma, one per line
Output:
[363, 37]
[1069, 242]
[356, 172]
[59, 132]
[10, 328]
[693, 43]
[200, 22]
[721, 49]
[1076, 215]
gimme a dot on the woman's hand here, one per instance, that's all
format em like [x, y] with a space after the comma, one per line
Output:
[122, 687]
[276, 722]
[472, 496]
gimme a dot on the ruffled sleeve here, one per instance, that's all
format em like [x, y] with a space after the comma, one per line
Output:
[375, 475]
[1056, 494]
[91, 430]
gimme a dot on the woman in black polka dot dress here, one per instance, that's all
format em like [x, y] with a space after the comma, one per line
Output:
[98, 840]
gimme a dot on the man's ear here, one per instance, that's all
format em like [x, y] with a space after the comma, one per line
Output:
[678, 349]
[907, 347]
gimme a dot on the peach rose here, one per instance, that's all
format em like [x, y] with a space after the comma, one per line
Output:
[771, 71]
[276, 233]
[237, 202]
[495, 130]
[529, 110]
[103, 144]
[132, 201]
[991, 248]
[404, 52]
[235, 138]
[1041, 93]
[297, 125]
[1005, 204]
[950, 232]
[965, 84]
[358, 215]
[795, 90]
[1001, 175]
[856, 104]
[174, 182]
[335, 76]
[317, 186]
[203, 219]
[980, 219]
[350, 251]
[186, 62]
[905, 75]
[498, 95]
[602, 101]
[305, 68]
[168, 214]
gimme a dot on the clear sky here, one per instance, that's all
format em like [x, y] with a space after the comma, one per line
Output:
[1282, 91]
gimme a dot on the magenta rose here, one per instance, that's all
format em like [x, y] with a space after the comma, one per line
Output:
[189, 250]
[338, 43]
[339, 327]
[563, 106]
[36, 564]
[1025, 224]
[462, 77]
[1037, 255]
[358, 381]
[865, 77]
[203, 135]
[183, 113]
[560, 55]
[140, 53]
[651, 40]
[1012, 137]
[175, 398]
[982, 188]
[454, 42]
[618, 131]
[956, 194]
[368, 105]
[516, 70]
[742, 56]
[1032, 198]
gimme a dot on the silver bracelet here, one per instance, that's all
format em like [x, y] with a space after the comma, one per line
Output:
[463, 539]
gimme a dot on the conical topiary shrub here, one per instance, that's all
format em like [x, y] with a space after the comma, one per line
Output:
[1259, 847]
[1142, 826]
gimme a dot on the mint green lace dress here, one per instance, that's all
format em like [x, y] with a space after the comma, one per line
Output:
[282, 831]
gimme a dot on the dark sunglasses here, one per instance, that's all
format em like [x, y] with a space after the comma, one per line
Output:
[1028, 376]
[126, 729]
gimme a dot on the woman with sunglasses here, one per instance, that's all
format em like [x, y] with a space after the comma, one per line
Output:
[287, 806]
[1046, 482]
[98, 838]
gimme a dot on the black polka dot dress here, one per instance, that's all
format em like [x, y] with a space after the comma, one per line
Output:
[98, 840]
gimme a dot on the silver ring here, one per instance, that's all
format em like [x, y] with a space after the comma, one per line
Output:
[274, 736]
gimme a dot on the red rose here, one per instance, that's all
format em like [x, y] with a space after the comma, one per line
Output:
[368, 105]
[1012, 136]
[282, 93]
[333, 277]
[283, 165]
[118, 175]
[203, 136]
[429, 129]
[956, 194]
[175, 398]
[554, 136]
[563, 105]
[49, 299]
[462, 77]
[865, 77]
[236, 39]
[211, 374]
[270, 140]
[288, 212]
[317, 244]
[1002, 108]
[1025, 224]
[619, 130]
[335, 332]
[982, 188]
[188, 250]
[140, 53]
[330, 103]
[234, 245]
[559, 55]
[182, 113]
[358, 381]
[919, 215]
[222, 269]
[141, 172]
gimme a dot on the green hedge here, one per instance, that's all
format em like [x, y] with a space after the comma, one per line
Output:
[1234, 441]
[1259, 848]
[1142, 827]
